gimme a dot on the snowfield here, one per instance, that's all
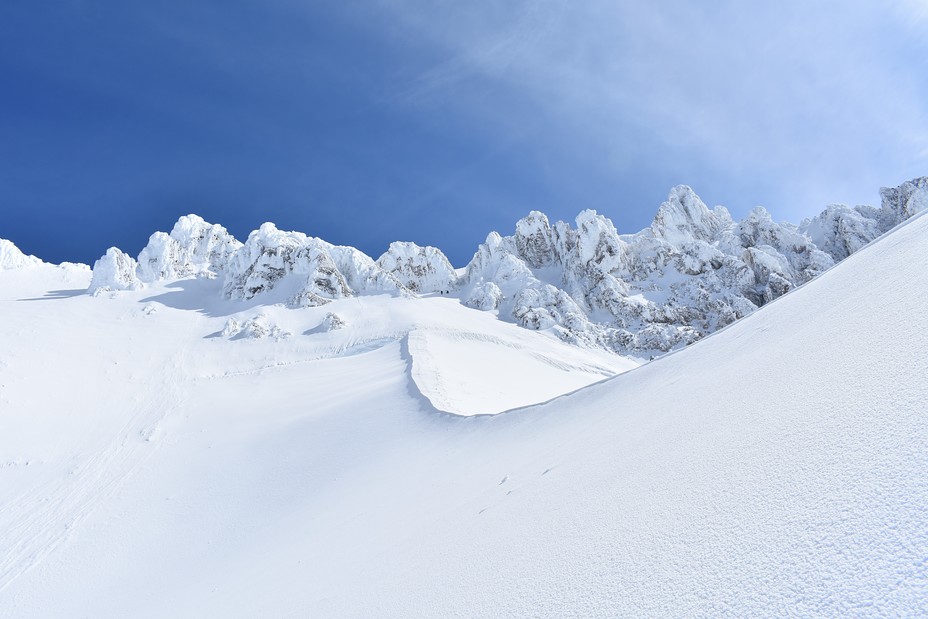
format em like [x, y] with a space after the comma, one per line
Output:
[167, 452]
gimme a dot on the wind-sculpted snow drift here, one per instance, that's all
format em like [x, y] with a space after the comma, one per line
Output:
[693, 271]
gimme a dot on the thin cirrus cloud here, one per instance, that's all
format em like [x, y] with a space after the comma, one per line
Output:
[803, 103]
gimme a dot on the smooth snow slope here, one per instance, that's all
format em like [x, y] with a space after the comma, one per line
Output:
[776, 468]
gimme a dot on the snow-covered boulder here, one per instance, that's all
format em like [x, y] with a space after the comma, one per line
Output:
[484, 296]
[261, 326]
[12, 258]
[116, 270]
[333, 322]
[193, 248]
[419, 269]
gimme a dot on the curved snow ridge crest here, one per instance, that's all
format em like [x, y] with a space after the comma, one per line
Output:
[449, 369]
[348, 348]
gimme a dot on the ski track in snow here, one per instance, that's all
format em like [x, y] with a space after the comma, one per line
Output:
[41, 519]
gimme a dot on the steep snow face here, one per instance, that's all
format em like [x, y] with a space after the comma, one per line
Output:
[305, 271]
[193, 248]
[12, 258]
[116, 270]
[419, 269]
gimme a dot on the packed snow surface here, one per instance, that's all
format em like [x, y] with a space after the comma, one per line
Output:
[153, 463]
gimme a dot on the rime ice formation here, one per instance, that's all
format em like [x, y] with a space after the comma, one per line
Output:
[333, 322]
[193, 248]
[902, 202]
[418, 269]
[840, 230]
[691, 272]
[12, 258]
[116, 270]
[308, 271]
[259, 327]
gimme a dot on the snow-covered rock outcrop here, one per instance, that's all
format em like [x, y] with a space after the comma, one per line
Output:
[902, 202]
[116, 270]
[333, 322]
[684, 218]
[693, 271]
[12, 258]
[259, 327]
[193, 248]
[840, 230]
[418, 269]
[303, 271]
[534, 240]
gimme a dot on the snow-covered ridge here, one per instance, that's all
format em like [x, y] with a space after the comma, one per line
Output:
[12, 258]
[691, 272]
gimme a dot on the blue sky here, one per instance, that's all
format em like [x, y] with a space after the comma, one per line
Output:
[436, 122]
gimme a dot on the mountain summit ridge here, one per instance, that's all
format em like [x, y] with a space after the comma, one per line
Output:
[693, 271]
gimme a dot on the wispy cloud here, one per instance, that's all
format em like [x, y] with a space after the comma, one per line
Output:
[821, 99]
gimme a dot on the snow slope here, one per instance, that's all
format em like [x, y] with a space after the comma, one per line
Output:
[161, 465]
